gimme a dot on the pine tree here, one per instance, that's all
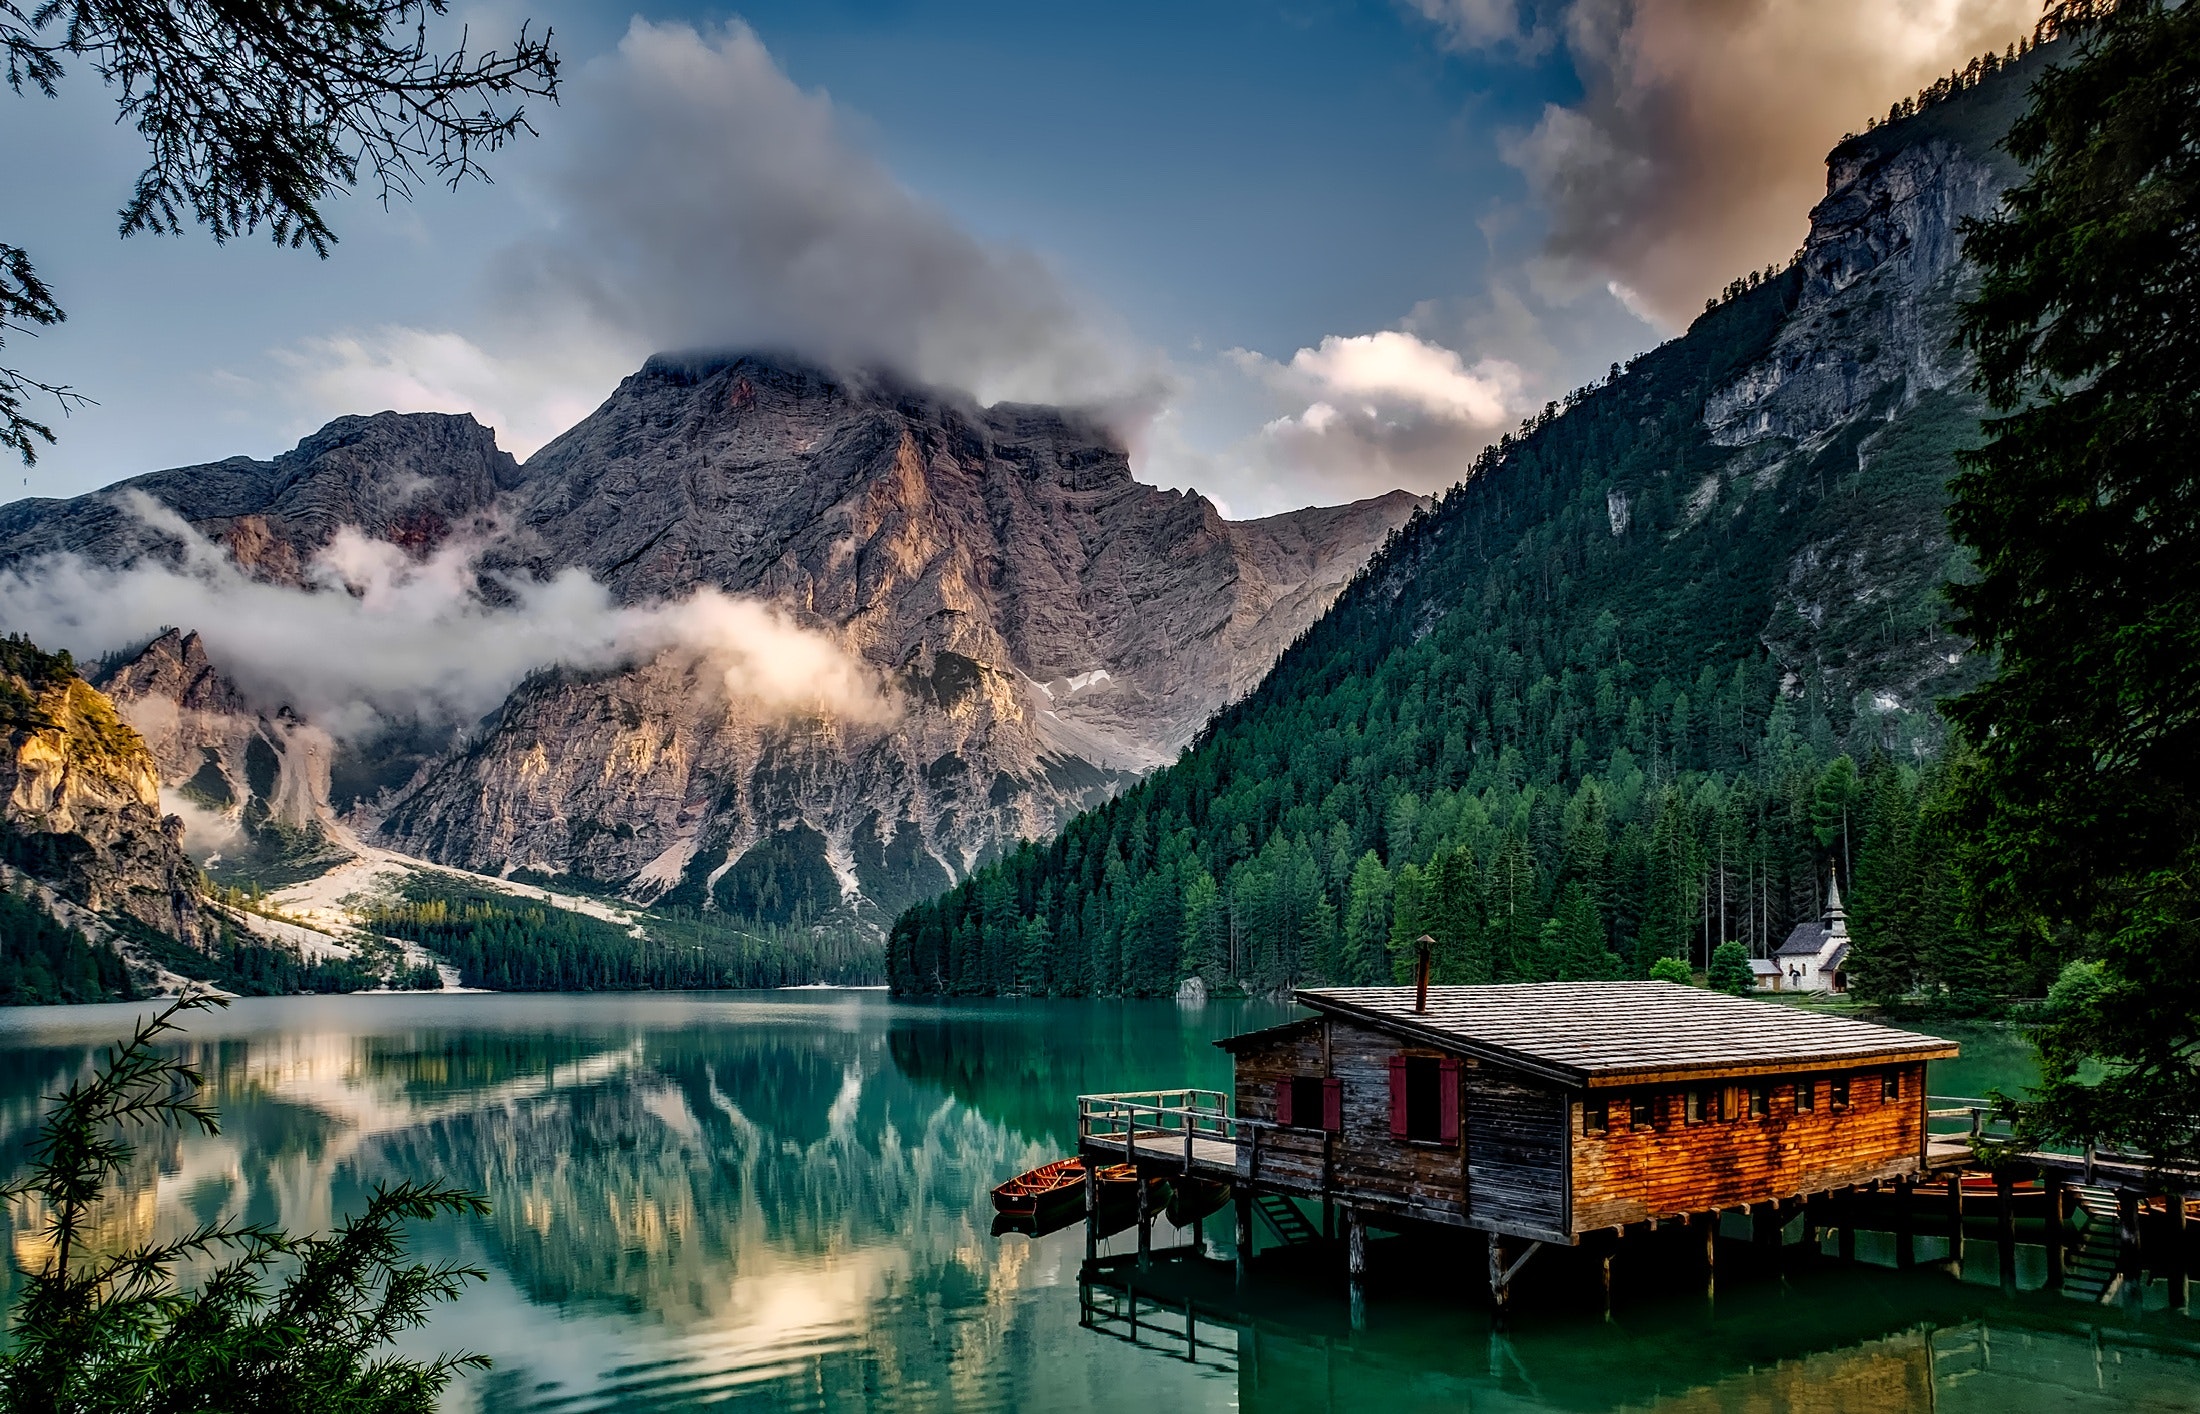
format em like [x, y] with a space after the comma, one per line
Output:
[2081, 807]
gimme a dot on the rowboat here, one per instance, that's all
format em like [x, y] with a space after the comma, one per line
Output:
[1052, 1196]
[1039, 1194]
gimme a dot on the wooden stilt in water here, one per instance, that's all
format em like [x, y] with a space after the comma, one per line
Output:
[1355, 1264]
[2058, 1232]
[1955, 1223]
[1611, 1250]
[1145, 1220]
[2179, 1258]
[2127, 1237]
[1765, 1226]
[1905, 1245]
[1709, 1222]
[1500, 1288]
[1092, 1215]
[1243, 1204]
[2005, 1227]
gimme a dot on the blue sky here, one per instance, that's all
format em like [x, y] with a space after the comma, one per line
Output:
[1302, 252]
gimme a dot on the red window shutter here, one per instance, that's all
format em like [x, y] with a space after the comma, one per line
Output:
[1283, 1102]
[1447, 1108]
[1397, 1097]
[1333, 1105]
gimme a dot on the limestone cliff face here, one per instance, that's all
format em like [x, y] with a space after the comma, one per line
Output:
[1866, 394]
[1046, 627]
[412, 479]
[253, 782]
[81, 795]
[1050, 627]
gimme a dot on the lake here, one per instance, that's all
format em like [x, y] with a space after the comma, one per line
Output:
[780, 1202]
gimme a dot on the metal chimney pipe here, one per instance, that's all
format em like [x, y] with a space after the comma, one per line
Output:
[1420, 989]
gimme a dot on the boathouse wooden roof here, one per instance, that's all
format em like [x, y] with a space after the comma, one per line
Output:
[1597, 1035]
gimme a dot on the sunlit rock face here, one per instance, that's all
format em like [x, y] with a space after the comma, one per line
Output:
[1042, 627]
[80, 810]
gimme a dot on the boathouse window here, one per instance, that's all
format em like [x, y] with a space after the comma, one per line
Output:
[1424, 1098]
[1806, 1096]
[1700, 1106]
[1642, 1112]
[1890, 1085]
[1840, 1087]
[1760, 1101]
[1596, 1116]
[1311, 1102]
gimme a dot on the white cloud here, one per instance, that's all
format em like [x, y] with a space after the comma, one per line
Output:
[376, 636]
[706, 202]
[1375, 411]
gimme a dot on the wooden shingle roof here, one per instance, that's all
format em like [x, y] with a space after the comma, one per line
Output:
[1606, 1034]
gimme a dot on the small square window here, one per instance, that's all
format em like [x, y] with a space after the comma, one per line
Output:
[1760, 1101]
[1890, 1085]
[1700, 1106]
[1840, 1088]
[1642, 1112]
[1596, 1116]
[1806, 1096]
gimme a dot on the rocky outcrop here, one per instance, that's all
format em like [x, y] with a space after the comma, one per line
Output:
[1045, 626]
[250, 784]
[1050, 625]
[413, 479]
[81, 793]
[1859, 404]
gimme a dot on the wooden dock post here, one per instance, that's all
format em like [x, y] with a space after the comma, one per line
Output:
[1955, 1223]
[2179, 1259]
[1500, 1288]
[1092, 1212]
[1905, 1243]
[2127, 1236]
[1242, 1201]
[2058, 1231]
[1355, 1244]
[2005, 1226]
[1145, 1220]
[1709, 1223]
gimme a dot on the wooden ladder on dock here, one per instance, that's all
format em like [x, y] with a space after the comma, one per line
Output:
[2091, 1273]
[1286, 1220]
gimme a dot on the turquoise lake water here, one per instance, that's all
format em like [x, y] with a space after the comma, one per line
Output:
[780, 1202]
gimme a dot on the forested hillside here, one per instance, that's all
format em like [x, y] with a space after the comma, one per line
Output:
[1656, 670]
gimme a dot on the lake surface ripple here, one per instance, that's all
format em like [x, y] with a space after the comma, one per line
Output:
[780, 1201]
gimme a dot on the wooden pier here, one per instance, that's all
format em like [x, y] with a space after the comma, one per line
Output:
[1576, 1114]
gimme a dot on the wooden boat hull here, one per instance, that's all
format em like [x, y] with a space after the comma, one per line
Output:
[1194, 1198]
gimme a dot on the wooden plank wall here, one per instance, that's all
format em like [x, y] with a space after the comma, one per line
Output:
[1423, 1178]
[1516, 1151]
[1293, 1158]
[1624, 1176]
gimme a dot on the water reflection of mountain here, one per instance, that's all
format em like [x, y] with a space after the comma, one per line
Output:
[662, 1183]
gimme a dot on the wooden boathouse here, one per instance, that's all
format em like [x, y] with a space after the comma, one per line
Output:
[1539, 1113]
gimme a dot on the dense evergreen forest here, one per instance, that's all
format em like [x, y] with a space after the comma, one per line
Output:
[1542, 727]
[41, 961]
[511, 944]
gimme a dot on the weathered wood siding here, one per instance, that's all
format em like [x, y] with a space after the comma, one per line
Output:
[1292, 1158]
[1505, 1170]
[1516, 1151]
[1624, 1175]
[1421, 1178]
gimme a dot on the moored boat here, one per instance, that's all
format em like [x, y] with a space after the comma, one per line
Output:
[1044, 1192]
